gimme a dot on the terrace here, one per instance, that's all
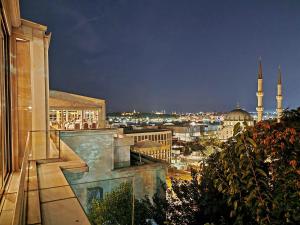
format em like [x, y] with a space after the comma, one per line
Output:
[63, 171]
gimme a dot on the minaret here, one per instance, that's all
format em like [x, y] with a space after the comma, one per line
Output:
[279, 96]
[259, 93]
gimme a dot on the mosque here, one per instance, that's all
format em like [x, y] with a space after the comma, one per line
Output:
[241, 116]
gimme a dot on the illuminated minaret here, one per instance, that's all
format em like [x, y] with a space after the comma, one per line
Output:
[279, 96]
[260, 93]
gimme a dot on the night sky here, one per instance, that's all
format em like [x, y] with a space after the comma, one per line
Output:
[177, 55]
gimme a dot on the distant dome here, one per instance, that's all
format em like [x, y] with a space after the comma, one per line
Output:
[238, 115]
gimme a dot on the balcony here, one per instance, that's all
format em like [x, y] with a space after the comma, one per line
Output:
[63, 172]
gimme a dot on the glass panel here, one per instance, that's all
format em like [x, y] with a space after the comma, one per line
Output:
[2, 110]
[4, 106]
[108, 201]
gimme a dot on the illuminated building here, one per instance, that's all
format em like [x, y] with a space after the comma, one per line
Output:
[70, 111]
[186, 133]
[235, 116]
[241, 116]
[156, 143]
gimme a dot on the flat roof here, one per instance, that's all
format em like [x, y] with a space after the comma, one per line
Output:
[136, 131]
[65, 100]
[135, 158]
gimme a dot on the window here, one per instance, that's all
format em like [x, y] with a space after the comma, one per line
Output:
[93, 193]
[53, 116]
[5, 136]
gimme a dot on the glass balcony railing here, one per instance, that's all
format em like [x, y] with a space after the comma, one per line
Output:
[21, 200]
[109, 201]
[40, 145]
[107, 195]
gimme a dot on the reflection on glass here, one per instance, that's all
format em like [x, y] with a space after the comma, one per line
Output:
[4, 106]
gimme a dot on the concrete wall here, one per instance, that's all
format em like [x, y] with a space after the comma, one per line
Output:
[122, 151]
[97, 149]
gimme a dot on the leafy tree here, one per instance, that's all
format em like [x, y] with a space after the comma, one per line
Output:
[116, 208]
[254, 180]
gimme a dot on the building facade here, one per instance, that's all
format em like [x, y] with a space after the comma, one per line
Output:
[156, 143]
[186, 133]
[24, 77]
[24, 83]
[71, 111]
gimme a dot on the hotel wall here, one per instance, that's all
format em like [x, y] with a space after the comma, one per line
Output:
[30, 87]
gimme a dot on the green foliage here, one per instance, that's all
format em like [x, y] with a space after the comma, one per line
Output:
[116, 208]
[254, 180]
[291, 118]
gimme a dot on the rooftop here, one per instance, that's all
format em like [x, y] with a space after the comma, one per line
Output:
[238, 114]
[147, 144]
[64, 100]
[128, 131]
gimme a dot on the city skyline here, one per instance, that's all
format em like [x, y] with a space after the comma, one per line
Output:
[200, 56]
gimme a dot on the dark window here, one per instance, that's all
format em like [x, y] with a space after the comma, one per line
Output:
[94, 193]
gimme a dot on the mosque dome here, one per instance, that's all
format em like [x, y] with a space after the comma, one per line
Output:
[238, 114]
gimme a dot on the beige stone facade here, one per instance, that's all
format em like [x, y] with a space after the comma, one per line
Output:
[25, 193]
[24, 106]
[29, 82]
[25, 68]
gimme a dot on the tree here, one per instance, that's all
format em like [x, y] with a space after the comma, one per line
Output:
[114, 208]
[253, 180]
[117, 206]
